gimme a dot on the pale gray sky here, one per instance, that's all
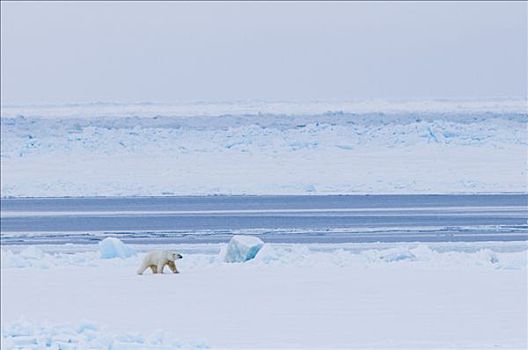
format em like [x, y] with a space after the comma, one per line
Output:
[206, 51]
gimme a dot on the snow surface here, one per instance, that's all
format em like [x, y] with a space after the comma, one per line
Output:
[212, 109]
[438, 295]
[265, 148]
[112, 247]
[27, 335]
[242, 248]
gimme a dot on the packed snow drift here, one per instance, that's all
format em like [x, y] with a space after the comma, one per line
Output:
[264, 148]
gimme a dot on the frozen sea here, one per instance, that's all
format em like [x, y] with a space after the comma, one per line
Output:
[277, 219]
[438, 261]
[422, 147]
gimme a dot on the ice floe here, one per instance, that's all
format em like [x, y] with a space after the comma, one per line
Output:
[111, 247]
[242, 248]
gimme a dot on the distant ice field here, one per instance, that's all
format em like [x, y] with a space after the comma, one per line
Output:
[278, 219]
[255, 107]
[264, 148]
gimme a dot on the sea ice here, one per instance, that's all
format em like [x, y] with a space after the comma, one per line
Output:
[451, 147]
[361, 295]
[111, 247]
[488, 255]
[242, 248]
[26, 335]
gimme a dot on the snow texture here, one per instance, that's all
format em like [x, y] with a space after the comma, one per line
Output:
[494, 255]
[84, 335]
[242, 248]
[438, 295]
[111, 247]
[265, 148]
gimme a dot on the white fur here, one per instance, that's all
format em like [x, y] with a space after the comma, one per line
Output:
[157, 259]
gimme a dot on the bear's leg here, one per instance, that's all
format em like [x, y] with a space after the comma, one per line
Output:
[172, 266]
[160, 268]
[141, 269]
[154, 268]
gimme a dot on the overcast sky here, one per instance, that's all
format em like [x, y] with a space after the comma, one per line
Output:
[204, 51]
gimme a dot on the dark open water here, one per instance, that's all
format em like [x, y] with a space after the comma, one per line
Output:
[332, 219]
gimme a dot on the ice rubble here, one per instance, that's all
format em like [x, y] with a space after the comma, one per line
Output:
[84, 335]
[499, 255]
[111, 247]
[242, 248]
[30, 256]
[278, 151]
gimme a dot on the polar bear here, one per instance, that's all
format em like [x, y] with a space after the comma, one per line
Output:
[157, 259]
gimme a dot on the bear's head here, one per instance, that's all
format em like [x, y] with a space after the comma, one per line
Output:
[172, 256]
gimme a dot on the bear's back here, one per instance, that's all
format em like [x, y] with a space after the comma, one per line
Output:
[156, 255]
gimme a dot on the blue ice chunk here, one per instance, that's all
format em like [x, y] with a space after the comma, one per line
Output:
[242, 248]
[111, 247]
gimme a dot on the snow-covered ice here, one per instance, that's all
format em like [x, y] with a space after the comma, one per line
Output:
[242, 248]
[368, 295]
[87, 335]
[265, 148]
[112, 247]
[437, 295]
[212, 109]
[497, 255]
